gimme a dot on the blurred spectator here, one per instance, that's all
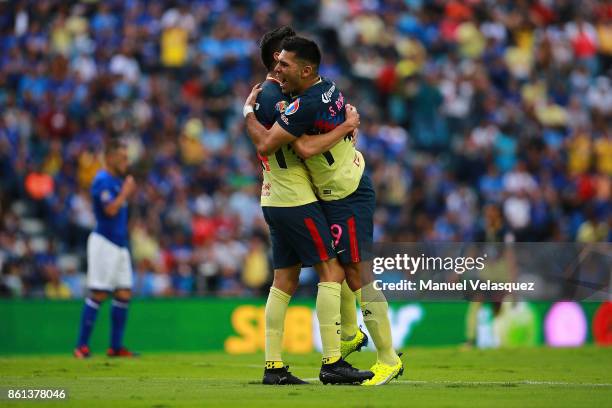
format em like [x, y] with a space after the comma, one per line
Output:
[256, 268]
[55, 288]
[592, 230]
[39, 185]
[479, 122]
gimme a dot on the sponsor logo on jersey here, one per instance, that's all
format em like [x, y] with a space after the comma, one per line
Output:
[326, 97]
[265, 189]
[284, 119]
[281, 106]
[293, 107]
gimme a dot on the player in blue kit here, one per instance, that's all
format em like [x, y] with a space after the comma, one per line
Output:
[109, 268]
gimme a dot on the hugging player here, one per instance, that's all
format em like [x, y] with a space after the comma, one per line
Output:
[345, 193]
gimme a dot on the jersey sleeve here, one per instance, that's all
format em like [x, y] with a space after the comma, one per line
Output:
[265, 109]
[102, 193]
[298, 117]
[270, 102]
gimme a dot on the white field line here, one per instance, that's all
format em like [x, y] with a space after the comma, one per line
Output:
[316, 379]
[510, 382]
[450, 382]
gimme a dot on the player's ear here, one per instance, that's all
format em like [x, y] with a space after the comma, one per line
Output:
[306, 71]
[276, 55]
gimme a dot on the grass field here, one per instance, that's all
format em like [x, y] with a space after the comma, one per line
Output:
[446, 377]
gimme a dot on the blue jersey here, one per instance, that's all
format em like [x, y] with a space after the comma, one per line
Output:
[336, 173]
[104, 189]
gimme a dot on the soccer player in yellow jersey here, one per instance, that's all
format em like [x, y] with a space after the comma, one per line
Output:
[346, 193]
[300, 234]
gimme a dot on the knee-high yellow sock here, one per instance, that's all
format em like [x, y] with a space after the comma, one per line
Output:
[375, 310]
[348, 313]
[276, 309]
[328, 313]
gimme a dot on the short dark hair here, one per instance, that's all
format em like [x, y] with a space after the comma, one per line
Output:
[304, 49]
[113, 144]
[271, 42]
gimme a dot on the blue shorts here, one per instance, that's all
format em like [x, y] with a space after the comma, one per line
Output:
[351, 221]
[300, 235]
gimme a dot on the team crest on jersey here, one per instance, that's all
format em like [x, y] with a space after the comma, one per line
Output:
[105, 196]
[281, 106]
[293, 107]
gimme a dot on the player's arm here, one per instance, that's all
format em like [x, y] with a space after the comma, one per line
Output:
[266, 141]
[307, 146]
[114, 204]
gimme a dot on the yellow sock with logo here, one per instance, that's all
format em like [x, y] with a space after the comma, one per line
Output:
[375, 310]
[348, 313]
[328, 313]
[276, 309]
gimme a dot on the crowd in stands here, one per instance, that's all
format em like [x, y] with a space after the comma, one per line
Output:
[481, 121]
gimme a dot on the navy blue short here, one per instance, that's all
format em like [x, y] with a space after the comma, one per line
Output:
[351, 220]
[300, 235]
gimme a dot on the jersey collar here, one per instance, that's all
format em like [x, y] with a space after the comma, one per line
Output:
[271, 78]
[316, 83]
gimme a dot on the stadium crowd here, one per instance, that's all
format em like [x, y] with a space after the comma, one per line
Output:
[481, 120]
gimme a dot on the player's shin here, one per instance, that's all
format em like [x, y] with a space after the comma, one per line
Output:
[88, 319]
[348, 313]
[328, 313]
[375, 310]
[119, 312]
[276, 309]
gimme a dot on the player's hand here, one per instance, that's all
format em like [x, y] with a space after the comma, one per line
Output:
[354, 139]
[352, 116]
[252, 98]
[129, 186]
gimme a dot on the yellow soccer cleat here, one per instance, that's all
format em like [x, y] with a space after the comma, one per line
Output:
[347, 347]
[384, 373]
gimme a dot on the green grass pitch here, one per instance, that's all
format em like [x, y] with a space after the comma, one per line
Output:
[440, 377]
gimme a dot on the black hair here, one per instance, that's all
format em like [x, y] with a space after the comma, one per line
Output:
[113, 144]
[304, 49]
[271, 42]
